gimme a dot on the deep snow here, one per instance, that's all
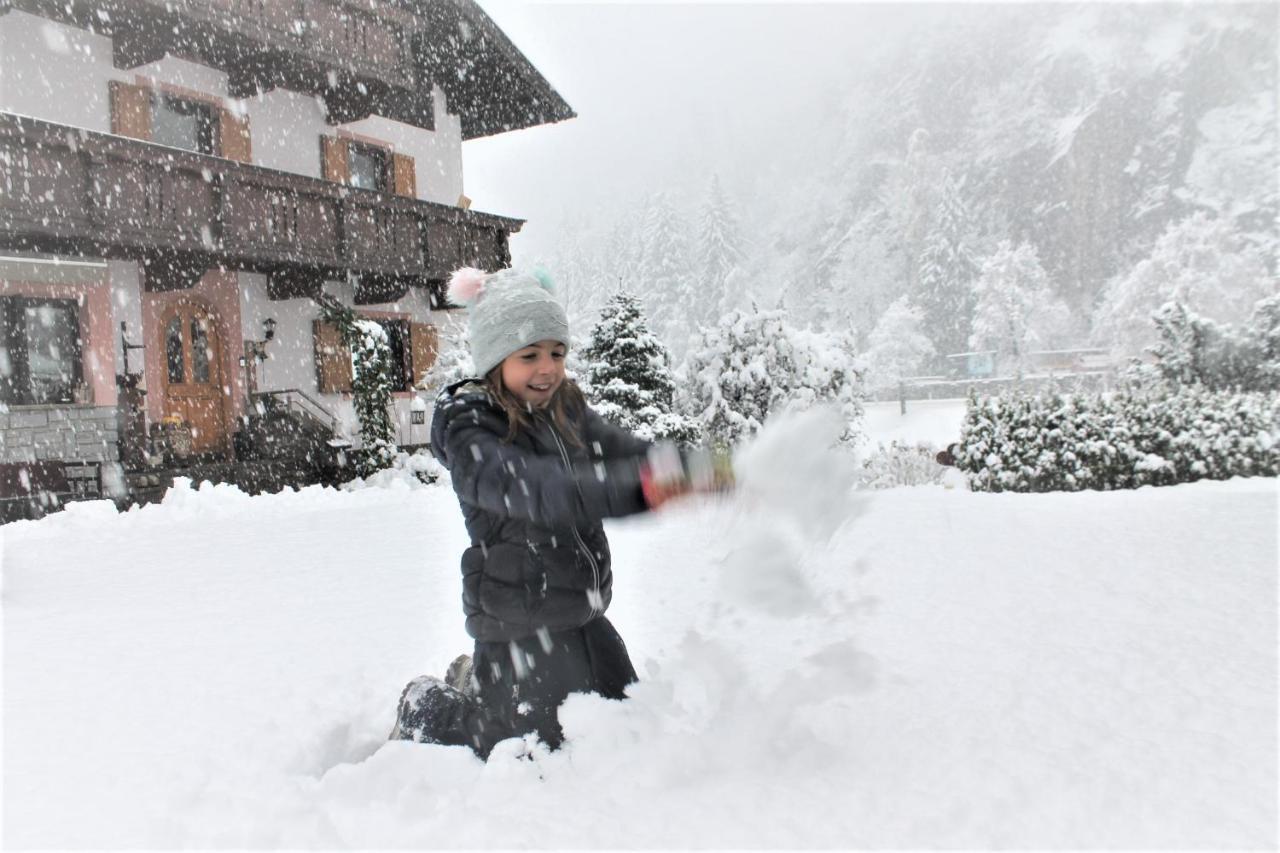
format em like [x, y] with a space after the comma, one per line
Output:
[910, 668]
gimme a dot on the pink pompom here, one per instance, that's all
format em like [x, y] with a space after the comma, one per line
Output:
[465, 285]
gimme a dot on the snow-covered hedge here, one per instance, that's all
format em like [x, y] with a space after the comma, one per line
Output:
[1161, 436]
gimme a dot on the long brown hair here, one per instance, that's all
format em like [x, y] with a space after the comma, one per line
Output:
[566, 407]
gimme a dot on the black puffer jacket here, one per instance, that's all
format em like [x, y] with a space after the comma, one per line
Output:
[538, 555]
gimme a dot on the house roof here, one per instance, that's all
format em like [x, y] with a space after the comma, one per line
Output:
[489, 83]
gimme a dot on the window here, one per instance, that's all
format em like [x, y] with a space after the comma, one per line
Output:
[39, 350]
[368, 166]
[413, 350]
[184, 124]
[398, 343]
[173, 351]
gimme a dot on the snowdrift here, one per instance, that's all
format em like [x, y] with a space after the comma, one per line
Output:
[910, 668]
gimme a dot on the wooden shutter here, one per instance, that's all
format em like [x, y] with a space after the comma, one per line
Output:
[404, 179]
[337, 166]
[233, 131]
[130, 110]
[424, 343]
[333, 359]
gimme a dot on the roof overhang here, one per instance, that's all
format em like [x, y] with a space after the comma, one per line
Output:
[489, 83]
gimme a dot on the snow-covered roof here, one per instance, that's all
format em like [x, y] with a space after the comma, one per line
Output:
[489, 83]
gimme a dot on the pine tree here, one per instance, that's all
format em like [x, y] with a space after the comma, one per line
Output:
[666, 274]
[719, 253]
[946, 274]
[628, 375]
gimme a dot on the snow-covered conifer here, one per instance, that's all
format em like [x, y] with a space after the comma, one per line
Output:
[719, 252]
[946, 273]
[666, 274]
[628, 375]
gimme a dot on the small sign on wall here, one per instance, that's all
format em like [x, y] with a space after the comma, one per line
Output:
[418, 416]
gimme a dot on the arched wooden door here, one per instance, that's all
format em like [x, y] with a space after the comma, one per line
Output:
[193, 374]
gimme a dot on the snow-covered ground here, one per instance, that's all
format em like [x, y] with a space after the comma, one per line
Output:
[911, 668]
[935, 422]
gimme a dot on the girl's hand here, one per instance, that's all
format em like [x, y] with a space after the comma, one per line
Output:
[667, 473]
[662, 475]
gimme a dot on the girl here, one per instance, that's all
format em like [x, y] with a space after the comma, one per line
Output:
[535, 471]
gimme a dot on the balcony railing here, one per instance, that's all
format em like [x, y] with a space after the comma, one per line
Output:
[357, 57]
[72, 191]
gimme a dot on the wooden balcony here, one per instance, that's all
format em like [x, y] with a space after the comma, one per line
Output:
[358, 57]
[64, 190]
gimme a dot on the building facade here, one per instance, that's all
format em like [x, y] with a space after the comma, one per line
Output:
[181, 180]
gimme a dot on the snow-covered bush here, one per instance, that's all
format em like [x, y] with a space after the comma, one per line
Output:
[406, 471]
[754, 363]
[901, 464]
[1154, 436]
[628, 375]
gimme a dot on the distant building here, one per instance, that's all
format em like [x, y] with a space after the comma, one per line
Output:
[972, 365]
[178, 179]
[985, 364]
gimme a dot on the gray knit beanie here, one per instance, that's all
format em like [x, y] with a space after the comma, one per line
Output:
[509, 310]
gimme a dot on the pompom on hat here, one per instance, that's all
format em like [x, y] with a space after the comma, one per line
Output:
[508, 309]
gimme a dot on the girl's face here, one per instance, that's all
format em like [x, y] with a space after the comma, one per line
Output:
[535, 372]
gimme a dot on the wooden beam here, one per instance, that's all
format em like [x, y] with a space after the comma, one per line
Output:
[250, 74]
[168, 271]
[345, 104]
[375, 288]
[295, 283]
[130, 49]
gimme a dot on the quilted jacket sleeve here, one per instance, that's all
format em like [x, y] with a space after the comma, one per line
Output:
[610, 441]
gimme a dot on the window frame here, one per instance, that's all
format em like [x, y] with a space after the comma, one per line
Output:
[208, 120]
[17, 390]
[358, 147]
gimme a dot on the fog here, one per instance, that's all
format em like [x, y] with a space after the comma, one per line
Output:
[836, 159]
[667, 94]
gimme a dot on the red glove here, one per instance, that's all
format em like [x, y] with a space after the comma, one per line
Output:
[668, 473]
[662, 476]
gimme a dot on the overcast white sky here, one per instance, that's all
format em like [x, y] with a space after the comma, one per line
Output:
[665, 94]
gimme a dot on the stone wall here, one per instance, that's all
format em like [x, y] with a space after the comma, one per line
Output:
[59, 433]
